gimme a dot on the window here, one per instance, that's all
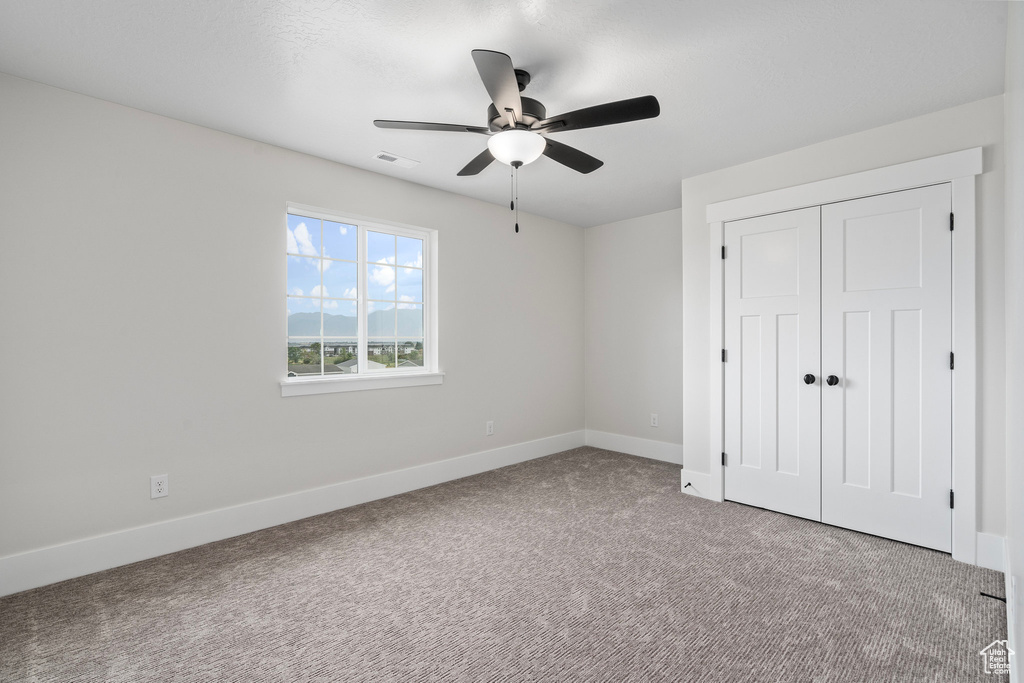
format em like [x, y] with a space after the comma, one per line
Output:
[360, 304]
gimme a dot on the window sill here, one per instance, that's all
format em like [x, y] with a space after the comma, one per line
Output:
[332, 385]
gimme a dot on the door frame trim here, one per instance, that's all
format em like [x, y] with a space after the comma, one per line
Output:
[957, 168]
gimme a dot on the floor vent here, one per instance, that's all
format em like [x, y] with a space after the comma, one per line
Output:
[395, 159]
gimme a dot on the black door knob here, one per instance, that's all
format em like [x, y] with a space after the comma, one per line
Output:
[808, 379]
[832, 380]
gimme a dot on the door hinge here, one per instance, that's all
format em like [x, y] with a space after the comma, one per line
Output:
[723, 460]
[950, 360]
[723, 252]
[951, 499]
[723, 356]
[951, 221]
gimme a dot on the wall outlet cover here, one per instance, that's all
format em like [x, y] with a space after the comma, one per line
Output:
[158, 486]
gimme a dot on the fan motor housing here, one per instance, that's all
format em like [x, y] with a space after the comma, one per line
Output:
[533, 111]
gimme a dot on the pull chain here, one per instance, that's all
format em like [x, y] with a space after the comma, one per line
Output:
[517, 199]
[515, 190]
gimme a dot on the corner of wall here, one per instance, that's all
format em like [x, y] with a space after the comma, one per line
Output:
[1013, 140]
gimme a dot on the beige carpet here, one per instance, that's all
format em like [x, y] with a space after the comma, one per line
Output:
[582, 566]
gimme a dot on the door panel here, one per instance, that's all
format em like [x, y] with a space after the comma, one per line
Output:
[886, 334]
[788, 364]
[906, 402]
[856, 401]
[752, 423]
[773, 419]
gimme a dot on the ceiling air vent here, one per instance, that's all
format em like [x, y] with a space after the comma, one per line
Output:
[395, 159]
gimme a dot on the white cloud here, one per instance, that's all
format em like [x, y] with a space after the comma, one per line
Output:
[343, 229]
[383, 276]
[328, 303]
[296, 291]
[300, 241]
[407, 305]
[349, 293]
[316, 291]
[418, 263]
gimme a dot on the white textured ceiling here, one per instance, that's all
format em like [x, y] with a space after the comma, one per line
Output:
[737, 79]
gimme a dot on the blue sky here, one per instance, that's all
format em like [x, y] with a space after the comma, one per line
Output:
[395, 273]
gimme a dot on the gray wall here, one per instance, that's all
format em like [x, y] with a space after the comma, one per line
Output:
[634, 360]
[142, 280]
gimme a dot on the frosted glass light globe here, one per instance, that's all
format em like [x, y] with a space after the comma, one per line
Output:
[514, 145]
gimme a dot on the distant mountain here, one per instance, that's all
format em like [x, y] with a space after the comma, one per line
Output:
[308, 325]
[380, 324]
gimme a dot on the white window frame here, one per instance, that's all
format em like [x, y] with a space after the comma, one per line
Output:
[380, 379]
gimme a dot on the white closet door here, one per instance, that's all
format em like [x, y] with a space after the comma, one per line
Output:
[772, 326]
[886, 337]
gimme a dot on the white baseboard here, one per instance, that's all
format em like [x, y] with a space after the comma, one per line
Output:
[645, 448]
[991, 552]
[65, 561]
[695, 483]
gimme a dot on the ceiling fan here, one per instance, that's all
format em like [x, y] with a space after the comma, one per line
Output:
[518, 126]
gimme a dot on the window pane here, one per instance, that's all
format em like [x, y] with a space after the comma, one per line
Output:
[380, 247]
[303, 317]
[347, 283]
[380, 353]
[380, 320]
[340, 240]
[340, 318]
[410, 353]
[410, 285]
[380, 282]
[410, 320]
[410, 252]
[341, 356]
[303, 235]
[303, 276]
[303, 357]
[340, 279]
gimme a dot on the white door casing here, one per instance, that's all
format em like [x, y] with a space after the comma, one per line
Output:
[886, 297]
[772, 432]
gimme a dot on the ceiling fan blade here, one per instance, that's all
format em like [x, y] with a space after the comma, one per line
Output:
[499, 77]
[571, 157]
[419, 125]
[479, 163]
[634, 109]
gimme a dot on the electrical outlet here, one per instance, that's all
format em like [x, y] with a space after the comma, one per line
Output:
[654, 419]
[158, 486]
[490, 428]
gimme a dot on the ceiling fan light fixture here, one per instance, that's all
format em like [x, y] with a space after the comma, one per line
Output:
[516, 145]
